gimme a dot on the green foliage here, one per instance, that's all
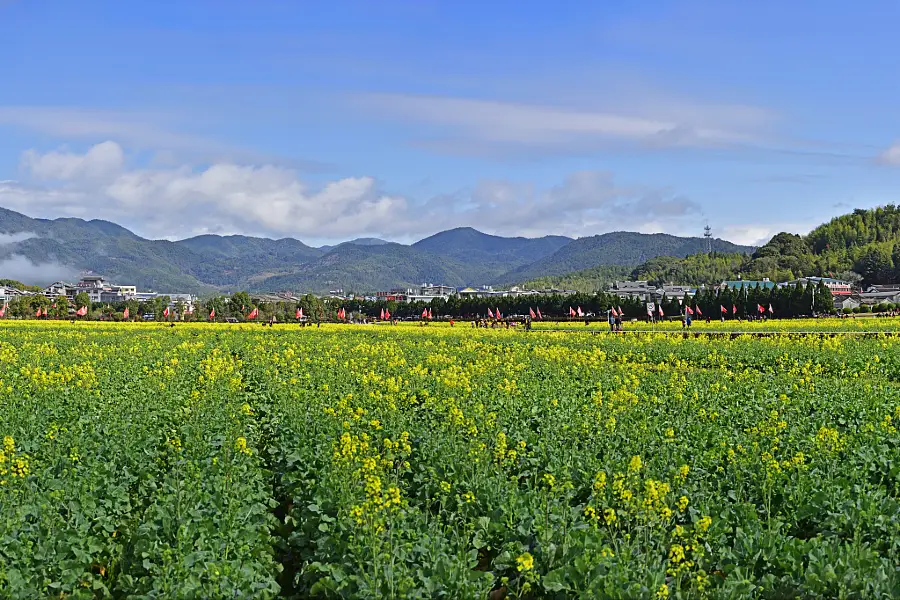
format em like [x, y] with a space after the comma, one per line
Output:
[12, 283]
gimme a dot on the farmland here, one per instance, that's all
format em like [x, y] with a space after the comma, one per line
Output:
[212, 461]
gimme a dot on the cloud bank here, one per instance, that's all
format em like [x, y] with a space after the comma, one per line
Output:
[271, 200]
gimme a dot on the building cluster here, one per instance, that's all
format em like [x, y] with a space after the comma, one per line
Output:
[428, 292]
[845, 295]
[98, 290]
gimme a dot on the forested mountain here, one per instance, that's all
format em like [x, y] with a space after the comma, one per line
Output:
[866, 242]
[368, 268]
[493, 255]
[64, 248]
[618, 248]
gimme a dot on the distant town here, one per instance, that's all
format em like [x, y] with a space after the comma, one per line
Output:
[98, 293]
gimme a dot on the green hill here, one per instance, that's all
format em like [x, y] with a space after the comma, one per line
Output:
[212, 263]
[489, 256]
[369, 268]
[619, 248]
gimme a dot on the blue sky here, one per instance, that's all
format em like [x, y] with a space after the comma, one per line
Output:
[328, 121]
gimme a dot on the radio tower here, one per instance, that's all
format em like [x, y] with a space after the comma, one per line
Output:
[707, 233]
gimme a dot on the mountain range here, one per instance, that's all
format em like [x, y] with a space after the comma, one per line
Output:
[38, 250]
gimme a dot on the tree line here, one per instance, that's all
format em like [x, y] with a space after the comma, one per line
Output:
[789, 301]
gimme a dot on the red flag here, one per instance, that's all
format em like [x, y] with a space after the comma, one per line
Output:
[125, 313]
[3, 311]
[497, 312]
[580, 314]
[540, 316]
[382, 314]
[387, 314]
[571, 312]
[661, 311]
[166, 312]
[37, 312]
[771, 312]
[81, 311]
[724, 310]
[734, 309]
[531, 313]
[424, 313]
[613, 311]
[299, 314]
[490, 313]
[688, 310]
[429, 313]
[621, 312]
[760, 308]
[253, 313]
[212, 314]
[699, 312]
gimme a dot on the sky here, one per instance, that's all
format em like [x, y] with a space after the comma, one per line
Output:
[327, 121]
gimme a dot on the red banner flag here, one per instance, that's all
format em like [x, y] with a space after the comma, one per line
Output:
[734, 309]
[688, 310]
[540, 316]
[531, 313]
[125, 313]
[699, 312]
[212, 314]
[253, 313]
[81, 311]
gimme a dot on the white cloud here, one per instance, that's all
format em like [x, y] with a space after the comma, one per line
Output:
[270, 200]
[891, 156]
[14, 238]
[649, 123]
[140, 130]
[758, 234]
[22, 269]
[101, 160]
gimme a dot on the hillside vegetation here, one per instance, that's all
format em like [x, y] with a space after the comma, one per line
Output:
[864, 244]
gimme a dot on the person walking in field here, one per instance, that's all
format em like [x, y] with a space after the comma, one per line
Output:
[612, 322]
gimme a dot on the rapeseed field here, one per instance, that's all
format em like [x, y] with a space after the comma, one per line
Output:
[214, 461]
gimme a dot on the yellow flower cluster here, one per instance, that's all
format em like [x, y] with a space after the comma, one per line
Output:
[12, 464]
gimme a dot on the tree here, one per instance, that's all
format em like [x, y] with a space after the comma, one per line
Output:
[62, 308]
[81, 300]
[875, 266]
[823, 301]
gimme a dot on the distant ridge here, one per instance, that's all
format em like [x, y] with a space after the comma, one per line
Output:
[214, 263]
